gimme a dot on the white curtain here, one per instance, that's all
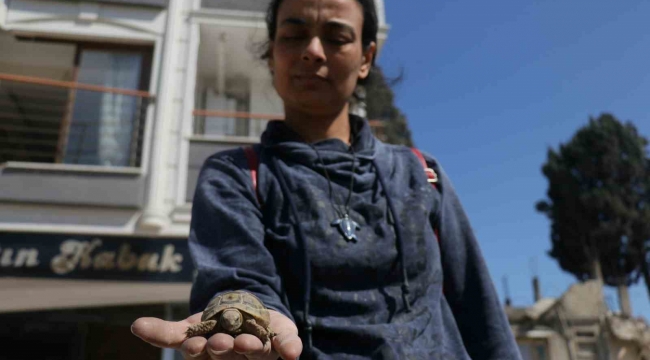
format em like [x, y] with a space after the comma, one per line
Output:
[103, 122]
[215, 125]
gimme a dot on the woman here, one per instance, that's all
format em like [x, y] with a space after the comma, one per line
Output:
[370, 290]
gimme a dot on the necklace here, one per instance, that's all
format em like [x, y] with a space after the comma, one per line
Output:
[346, 226]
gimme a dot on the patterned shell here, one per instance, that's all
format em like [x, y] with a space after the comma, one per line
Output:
[240, 300]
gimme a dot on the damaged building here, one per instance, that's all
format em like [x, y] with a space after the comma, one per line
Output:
[578, 326]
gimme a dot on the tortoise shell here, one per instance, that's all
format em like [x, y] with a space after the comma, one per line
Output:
[241, 300]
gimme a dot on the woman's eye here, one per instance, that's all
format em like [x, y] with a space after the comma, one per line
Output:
[291, 37]
[337, 41]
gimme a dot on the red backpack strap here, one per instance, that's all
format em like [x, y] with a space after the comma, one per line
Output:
[253, 165]
[432, 177]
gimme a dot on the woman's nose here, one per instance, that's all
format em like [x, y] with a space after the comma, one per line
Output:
[314, 51]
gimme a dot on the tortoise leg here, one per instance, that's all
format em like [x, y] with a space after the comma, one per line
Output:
[202, 328]
[257, 330]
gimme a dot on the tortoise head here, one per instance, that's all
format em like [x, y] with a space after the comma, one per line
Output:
[231, 319]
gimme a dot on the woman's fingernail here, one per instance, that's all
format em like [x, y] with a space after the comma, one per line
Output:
[216, 352]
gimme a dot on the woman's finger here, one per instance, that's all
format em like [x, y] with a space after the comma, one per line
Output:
[194, 349]
[288, 346]
[252, 347]
[221, 347]
[161, 333]
[286, 343]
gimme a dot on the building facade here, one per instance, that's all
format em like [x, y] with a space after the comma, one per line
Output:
[578, 326]
[108, 109]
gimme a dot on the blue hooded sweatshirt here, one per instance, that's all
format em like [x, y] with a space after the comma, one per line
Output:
[398, 292]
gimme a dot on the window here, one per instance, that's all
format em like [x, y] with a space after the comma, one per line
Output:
[586, 347]
[233, 99]
[533, 350]
[103, 123]
[586, 350]
[220, 125]
[72, 102]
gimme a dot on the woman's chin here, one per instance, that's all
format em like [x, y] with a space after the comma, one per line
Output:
[314, 103]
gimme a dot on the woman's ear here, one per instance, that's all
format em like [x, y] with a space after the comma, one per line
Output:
[367, 60]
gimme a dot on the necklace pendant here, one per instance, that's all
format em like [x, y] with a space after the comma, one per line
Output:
[347, 228]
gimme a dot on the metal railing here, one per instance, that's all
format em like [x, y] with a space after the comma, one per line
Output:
[50, 121]
[229, 123]
[214, 122]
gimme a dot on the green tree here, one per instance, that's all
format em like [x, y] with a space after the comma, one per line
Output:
[380, 106]
[598, 205]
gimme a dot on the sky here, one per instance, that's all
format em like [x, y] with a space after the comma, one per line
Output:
[489, 86]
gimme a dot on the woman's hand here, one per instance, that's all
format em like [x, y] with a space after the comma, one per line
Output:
[167, 334]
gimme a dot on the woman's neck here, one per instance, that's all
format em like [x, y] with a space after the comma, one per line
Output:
[313, 128]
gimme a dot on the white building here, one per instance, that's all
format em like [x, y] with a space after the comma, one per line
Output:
[107, 110]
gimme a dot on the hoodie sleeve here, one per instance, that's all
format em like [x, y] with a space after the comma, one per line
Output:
[468, 287]
[227, 236]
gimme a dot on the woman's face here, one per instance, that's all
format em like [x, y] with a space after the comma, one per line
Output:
[317, 56]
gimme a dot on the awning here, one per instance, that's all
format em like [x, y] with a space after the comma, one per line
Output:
[26, 294]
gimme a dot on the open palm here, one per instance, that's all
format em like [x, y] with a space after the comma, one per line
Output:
[168, 334]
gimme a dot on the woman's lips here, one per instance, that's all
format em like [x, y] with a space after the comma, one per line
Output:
[309, 80]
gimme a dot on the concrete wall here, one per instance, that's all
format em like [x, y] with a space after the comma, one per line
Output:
[97, 21]
[155, 3]
[261, 6]
[244, 5]
[47, 60]
[87, 187]
[3, 13]
[584, 300]
[619, 350]
[558, 348]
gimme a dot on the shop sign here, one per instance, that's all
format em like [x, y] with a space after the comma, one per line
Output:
[95, 257]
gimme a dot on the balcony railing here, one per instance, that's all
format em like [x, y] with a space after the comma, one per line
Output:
[50, 121]
[224, 123]
[228, 123]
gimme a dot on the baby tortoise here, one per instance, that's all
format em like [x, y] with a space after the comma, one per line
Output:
[234, 313]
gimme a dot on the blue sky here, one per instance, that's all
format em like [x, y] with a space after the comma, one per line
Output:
[490, 85]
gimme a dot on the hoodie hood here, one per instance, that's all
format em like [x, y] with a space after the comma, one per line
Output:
[285, 142]
[336, 155]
